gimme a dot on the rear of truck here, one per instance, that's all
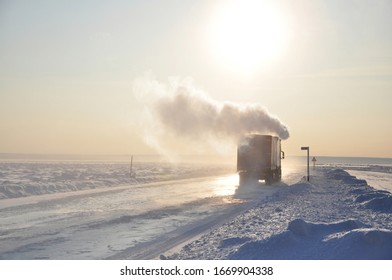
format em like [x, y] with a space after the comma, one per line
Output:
[259, 158]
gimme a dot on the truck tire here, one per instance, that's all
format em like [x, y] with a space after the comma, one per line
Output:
[247, 178]
[243, 178]
[279, 175]
[269, 179]
[273, 177]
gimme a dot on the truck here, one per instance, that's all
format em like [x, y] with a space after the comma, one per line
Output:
[259, 158]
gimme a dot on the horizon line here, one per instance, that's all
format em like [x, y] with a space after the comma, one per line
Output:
[159, 155]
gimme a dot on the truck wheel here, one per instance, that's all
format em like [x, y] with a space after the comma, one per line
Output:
[280, 175]
[243, 179]
[247, 179]
[269, 179]
[276, 177]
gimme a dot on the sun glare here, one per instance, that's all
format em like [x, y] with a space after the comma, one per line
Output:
[226, 185]
[248, 34]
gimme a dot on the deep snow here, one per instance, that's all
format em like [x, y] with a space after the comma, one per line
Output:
[335, 216]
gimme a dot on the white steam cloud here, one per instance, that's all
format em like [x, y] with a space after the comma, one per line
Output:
[179, 112]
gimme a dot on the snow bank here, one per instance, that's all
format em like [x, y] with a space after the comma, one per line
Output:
[345, 177]
[382, 204]
[228, 242]
[378, 178]
[368, 197]
[350, 239]
[300, 188]
[303, 228]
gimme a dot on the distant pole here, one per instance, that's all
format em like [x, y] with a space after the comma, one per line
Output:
[130, 169]
[307, 149]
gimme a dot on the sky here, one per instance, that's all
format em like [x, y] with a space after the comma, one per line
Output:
[81, 77]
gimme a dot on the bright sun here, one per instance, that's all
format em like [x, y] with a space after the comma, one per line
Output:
[248, 34]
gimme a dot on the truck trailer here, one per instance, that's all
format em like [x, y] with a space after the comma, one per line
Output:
[259, 158]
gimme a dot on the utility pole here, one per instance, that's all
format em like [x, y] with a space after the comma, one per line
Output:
[306, 149]
[130, 169]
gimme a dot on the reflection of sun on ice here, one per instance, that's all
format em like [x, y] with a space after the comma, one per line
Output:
[225, 185]
[247, 34]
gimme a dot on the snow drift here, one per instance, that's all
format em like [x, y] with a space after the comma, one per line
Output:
[345, 177]
[381, 203]
[368, 197]
[350, 239]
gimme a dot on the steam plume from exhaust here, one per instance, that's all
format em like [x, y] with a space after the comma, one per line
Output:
[181, 111]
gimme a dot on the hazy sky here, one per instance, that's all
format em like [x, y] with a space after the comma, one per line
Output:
[68, 70]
